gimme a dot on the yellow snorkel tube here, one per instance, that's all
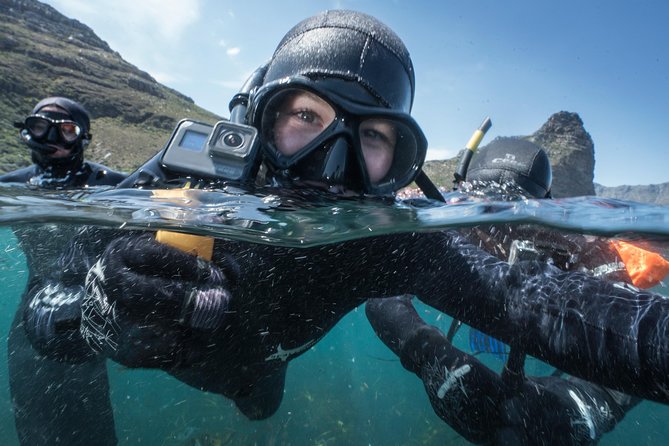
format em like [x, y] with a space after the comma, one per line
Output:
[196, 245]
[473, 144]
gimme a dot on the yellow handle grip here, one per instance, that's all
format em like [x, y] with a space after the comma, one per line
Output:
[196, 245]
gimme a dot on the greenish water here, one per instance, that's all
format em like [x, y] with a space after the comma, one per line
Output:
[349, 388]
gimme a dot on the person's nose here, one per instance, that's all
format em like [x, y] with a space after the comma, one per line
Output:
[52, 136]
[336, 161]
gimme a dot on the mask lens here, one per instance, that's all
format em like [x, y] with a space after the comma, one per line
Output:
[293, 119]
[390, 151]
[69, 131]
[37, 126]
[378, 141]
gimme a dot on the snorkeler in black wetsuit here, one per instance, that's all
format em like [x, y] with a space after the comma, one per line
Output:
[510, 409]
[57, 131]
[56, 402]
[333, 112]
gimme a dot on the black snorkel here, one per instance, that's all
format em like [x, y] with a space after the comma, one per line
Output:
[429, 188]
[238, 107]
[240, 102]
[25, 136]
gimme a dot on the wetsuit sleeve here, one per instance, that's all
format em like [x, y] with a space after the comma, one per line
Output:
[483, 406]
[101, 175]
[52, 315]
[19, 176]
[603, 332]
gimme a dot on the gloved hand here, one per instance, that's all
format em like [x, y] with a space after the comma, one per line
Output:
[488, 409]
[51, 319]
[551, 410]
[150, 305]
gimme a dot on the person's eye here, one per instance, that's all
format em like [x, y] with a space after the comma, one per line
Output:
[39, 127]
[306, 116]
[373, 136]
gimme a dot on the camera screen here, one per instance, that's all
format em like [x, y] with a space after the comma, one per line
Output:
[193, 140]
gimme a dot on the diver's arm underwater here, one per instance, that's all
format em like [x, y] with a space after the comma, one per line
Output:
[490, 408]
[603, 332]
[508, 408]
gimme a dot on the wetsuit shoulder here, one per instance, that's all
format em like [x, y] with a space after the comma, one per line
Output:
[101, 175]
[20, 175]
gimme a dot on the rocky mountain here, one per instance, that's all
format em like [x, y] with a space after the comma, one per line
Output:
[652, 193]
[572, 154]
[43, 53]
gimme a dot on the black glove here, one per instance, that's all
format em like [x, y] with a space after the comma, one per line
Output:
[51, 319]
[151, 305]
[551, 410]
[488, 409]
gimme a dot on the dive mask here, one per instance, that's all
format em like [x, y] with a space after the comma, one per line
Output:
[311, 134]
[46, 129]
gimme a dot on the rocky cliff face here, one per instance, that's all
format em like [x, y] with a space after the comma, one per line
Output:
[572, 154]
[652, 193]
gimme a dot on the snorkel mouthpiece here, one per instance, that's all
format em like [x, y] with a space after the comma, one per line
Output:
[42, 148]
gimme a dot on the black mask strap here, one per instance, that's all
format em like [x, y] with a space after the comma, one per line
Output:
[428, 187]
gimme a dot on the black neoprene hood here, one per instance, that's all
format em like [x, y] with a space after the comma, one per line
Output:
[352, 46]
[40, 154]
[513, 160]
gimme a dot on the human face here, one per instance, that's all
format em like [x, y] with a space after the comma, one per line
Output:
[42, 127]
[378, 139]
[303, 116]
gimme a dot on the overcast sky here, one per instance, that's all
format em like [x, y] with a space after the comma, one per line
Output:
[515, 61]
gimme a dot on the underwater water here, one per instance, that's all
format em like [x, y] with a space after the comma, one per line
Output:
[348, 388]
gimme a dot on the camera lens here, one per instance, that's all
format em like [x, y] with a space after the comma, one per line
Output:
[233, 139]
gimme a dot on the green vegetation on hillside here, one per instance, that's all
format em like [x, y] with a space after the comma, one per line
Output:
[43, 53]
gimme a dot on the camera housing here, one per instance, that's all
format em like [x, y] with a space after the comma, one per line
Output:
[226, 151]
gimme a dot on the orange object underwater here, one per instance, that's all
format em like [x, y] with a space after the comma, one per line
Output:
[645, 268]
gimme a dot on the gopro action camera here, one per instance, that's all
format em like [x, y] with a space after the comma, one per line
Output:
[225, 151]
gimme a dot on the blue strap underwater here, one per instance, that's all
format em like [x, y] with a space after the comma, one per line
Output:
[482, 343]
